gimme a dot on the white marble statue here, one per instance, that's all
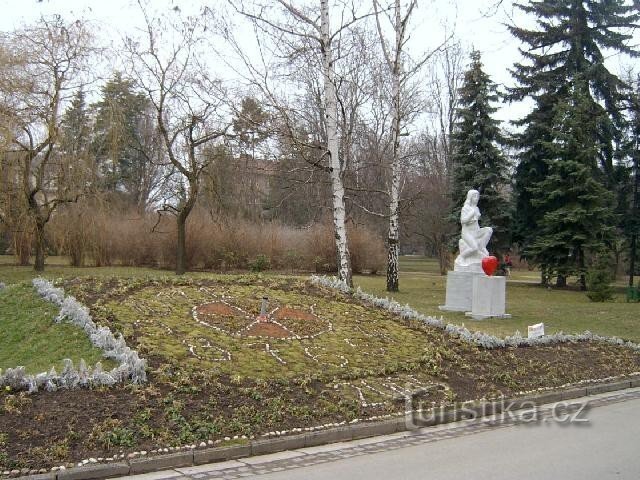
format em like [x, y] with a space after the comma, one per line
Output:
[473, 238]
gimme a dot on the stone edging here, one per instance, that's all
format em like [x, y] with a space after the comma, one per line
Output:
[481, 339]
[346, 433]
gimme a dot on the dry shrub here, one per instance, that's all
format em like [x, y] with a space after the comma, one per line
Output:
[106, 237]
[68, 233]
[322, 245]
[137, 241]
[17, 234]
[23, 242]
[367, 252]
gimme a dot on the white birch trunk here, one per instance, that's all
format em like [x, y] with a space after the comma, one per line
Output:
[394, 191]
[331, 113]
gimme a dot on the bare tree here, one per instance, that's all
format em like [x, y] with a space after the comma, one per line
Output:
[446, 78]
[429, 182]
[301, 30]
[46, 64]
[188, 106]
[437, 165]
[400, 74]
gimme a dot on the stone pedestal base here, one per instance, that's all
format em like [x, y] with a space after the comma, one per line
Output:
[459, 294]
[488, 298]
[474, 266]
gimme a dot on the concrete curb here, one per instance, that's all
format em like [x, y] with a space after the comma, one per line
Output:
[331, 435]
[94, 471]
[161, 462]
[212, 455]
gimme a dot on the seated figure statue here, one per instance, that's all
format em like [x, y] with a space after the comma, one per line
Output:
[473, 239]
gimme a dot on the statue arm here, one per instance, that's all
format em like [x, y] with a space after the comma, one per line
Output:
[467, 215]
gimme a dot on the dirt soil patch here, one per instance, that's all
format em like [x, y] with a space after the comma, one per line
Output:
[267, 329]
[294, 313]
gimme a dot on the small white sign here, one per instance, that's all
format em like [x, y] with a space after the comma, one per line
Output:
[536, 331]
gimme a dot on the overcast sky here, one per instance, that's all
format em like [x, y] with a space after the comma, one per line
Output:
[477, 23]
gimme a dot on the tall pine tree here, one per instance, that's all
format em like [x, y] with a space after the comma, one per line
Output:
[578, 218]
[478, 162]
[564, 72]
[119, 144]
[631, 195]
[76, 127]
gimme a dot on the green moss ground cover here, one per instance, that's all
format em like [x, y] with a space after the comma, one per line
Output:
[160, 318]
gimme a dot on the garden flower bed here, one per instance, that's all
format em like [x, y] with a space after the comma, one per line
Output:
[219, 373]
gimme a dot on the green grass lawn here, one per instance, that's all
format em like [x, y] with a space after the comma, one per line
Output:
[29, 336]
[561, 310]
[58, 267]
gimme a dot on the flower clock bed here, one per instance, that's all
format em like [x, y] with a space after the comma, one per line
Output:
[231, 358]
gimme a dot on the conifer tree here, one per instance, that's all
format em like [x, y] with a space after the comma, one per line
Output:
[116, 142]
[76, 127]
[478, 162]
[564, 68]
[631, 197]
[578, 219]
[126, 142]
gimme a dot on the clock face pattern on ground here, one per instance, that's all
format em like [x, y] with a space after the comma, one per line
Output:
[217, 328]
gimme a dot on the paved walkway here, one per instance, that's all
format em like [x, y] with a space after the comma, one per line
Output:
[605, 446]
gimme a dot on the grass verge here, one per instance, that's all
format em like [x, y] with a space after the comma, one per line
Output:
[30, 337]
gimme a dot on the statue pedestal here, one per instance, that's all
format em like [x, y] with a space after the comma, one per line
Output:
[473, 265]
[488, 298]
[459, 296]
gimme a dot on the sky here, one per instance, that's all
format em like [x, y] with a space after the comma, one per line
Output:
[479, 24]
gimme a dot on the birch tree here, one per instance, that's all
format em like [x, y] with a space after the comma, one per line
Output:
[46, 65]
[394, 58]
[299, 29]
[335, 168]
[187, 103]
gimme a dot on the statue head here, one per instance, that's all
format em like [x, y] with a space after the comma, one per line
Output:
[472, 198]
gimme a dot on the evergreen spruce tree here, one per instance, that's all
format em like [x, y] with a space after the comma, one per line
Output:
[478, 162]
[531, 169]
[563, 58]
[76, 127]
[578, 219]
[117, 142]
[631, 199]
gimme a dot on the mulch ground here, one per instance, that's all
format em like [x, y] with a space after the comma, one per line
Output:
[294, 313]
[53, 428]
[218, 308]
